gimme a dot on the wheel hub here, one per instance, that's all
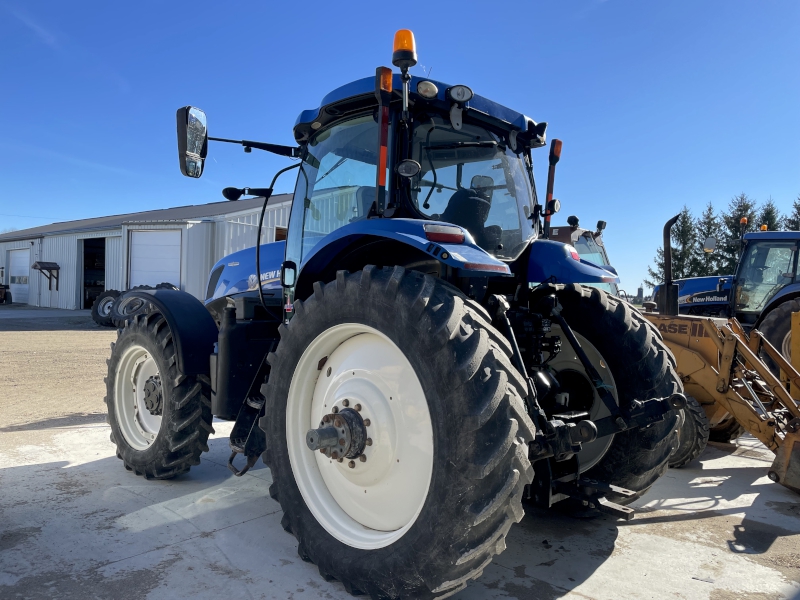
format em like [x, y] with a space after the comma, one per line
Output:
[153, 397]
[340, 435]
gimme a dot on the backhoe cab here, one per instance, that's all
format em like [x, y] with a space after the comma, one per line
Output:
[410, 351]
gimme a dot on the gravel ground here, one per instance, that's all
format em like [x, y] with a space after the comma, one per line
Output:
[75, 524]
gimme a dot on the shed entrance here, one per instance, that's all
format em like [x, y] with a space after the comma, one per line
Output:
[94, 270]
[155, 257]
[19, 270]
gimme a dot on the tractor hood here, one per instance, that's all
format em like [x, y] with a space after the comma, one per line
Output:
[236, 272]
[701, 291]
[554, 261]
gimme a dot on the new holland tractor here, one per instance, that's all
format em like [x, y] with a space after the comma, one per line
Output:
[416, 360]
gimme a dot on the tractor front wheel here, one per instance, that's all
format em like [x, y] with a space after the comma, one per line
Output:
[430, 455]
[160, 418]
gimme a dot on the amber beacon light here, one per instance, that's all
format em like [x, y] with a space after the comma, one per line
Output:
[404, 55]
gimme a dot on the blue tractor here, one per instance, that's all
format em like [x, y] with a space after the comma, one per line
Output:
[416, 359]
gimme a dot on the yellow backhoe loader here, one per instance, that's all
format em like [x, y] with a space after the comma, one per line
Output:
[730, 386]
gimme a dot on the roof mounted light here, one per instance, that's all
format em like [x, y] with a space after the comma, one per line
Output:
[459, 93]
[404, 55]
[743, 221]
[764, 228]
[427, 89]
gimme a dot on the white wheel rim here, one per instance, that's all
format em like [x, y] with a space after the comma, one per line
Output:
[105, 306]
[138, 426]
[592, 452]
[376, 503]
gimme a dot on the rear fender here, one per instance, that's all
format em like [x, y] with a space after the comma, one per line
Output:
[552, 261]
[390, 242]
[790, 292]
[194, 331]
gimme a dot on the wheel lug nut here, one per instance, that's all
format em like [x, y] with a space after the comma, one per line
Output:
[335, 454]
[341, 442]
[346, 402]
[352, 464]
[367, 422]
[340, 459]
[362, 458]
[326, 418]
[322, 450]
[369, 442]
[338, 422]
[335, 409]
[357, 407]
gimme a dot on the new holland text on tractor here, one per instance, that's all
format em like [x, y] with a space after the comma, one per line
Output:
[416, 359]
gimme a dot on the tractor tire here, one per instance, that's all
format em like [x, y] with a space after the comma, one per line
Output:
[167, 286]
[445, 475]
[125, 307]
[631, 349]
[692, 434]
[725, 432]
[101, 309]
[777, 328]
[160, 418]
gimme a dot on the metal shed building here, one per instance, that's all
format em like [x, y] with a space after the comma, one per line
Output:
[175, 245]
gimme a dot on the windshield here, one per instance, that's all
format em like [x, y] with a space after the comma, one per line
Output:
[470, 178]
[766, 267]
[336, 179]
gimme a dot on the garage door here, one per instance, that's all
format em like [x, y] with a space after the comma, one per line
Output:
[155, 257]
[19, 273]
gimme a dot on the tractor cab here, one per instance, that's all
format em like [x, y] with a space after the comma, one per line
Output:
[766, 273]
[589, 246]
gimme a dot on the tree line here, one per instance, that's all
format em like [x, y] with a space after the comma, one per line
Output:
[689, 234]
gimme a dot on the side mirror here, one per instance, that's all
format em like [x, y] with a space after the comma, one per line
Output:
[601, 225]
[710, 245]
[192, 140]
[288, 274]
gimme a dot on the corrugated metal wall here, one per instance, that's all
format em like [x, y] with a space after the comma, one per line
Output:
[115, 273]
[238, 231]
[203, 243]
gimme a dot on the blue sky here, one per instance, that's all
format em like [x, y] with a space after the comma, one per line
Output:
[658, 103]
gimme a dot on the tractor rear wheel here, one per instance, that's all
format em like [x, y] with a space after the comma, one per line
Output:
[777, 328]
[631, 357]
[101, 309]
[692, 434]
[160, 418]
[429, 499]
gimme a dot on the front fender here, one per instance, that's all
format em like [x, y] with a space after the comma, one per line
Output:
[553, 261]
[193, 329]
[469, 259]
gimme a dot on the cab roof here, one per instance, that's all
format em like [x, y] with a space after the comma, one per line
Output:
[358, 91]
[772, 235]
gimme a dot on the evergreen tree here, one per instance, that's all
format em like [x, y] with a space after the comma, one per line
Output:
[770, 216]
[791, 222]
[707, 225]
[683, 241]
[739, 206]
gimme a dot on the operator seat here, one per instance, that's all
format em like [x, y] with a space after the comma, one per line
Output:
[469, 208]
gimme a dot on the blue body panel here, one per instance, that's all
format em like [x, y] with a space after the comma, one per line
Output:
[239, 270]
[362, 87]
[696, 292]
[412, 233]
[550, 260]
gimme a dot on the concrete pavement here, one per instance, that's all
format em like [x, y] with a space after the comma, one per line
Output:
[75, 524]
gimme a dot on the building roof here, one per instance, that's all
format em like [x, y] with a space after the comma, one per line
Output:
[178, 213]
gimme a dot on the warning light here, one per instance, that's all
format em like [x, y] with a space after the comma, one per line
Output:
[743, 221]
[764, 228]
[383, 79]
[405, 49]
